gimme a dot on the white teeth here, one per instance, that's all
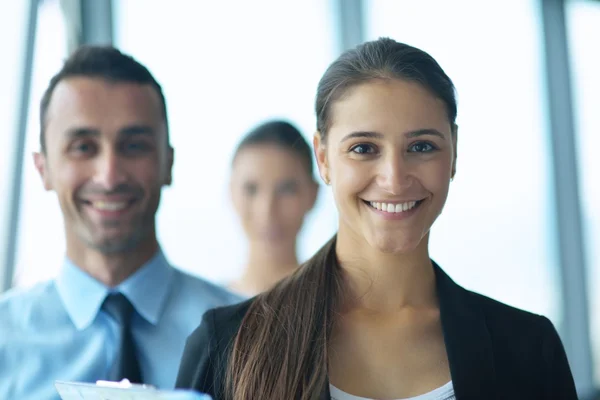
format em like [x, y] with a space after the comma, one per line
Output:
[109, 205]
[393, 208]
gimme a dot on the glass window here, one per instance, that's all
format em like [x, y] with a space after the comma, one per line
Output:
[225, 66]
[495, 235]
[13, 24]
[583, 18]
[41, 240]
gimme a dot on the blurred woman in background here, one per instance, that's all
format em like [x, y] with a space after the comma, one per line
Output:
[272, 189]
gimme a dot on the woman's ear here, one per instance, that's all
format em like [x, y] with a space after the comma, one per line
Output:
[233, 194]
[321, 156]
[455, 148]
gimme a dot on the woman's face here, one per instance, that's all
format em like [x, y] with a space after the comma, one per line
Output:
[389, 155]
[272, 192]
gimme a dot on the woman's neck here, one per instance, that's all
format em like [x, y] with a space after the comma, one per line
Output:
[386, 282]
[265, 268]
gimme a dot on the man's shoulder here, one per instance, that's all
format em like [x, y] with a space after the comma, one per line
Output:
[22, 308]
[208, 292]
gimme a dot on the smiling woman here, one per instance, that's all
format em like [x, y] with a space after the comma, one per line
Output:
[392, 143]
[371, 315]
[273, 190]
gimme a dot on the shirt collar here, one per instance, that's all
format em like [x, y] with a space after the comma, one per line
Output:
[147, 290]
[149, 287]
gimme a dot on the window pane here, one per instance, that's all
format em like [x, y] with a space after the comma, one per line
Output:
[583, 19]
[13, 24]
[41, 242]
[495, 235]
[225, 66]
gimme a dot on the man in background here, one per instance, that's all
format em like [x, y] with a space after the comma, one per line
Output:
[118, 309]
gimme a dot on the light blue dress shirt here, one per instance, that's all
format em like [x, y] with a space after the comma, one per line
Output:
[57, 330]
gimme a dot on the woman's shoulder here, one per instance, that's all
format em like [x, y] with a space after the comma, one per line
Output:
[461, 301]
[221, 322]
[231, 315]
[512, 328]
[501, 313]
[507, 326]
[528, 343]
[204, 359]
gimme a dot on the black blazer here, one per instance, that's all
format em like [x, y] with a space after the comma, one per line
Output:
[495, 351]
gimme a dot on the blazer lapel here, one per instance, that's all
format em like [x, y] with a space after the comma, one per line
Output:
[467, 340]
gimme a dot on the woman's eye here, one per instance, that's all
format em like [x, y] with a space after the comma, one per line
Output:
[421, 147]
[250, 189]
[289, 187]
[362, 149]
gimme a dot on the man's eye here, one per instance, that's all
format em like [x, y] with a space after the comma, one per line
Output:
[82, 148]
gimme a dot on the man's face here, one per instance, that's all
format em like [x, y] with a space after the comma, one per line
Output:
[107, 158]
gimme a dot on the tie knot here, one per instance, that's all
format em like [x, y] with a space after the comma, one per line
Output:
[118, 307]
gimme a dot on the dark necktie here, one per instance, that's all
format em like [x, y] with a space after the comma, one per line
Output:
[126, 364]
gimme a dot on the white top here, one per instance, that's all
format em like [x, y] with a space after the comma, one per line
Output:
[445, 392]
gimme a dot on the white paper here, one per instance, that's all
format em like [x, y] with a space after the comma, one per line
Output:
[90, 391]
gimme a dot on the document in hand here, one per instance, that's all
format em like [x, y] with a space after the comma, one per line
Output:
[90, 391]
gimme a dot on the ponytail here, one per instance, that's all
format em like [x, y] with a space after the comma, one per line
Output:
[280, 351]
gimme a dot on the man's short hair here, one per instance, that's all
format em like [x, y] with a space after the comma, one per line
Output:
[103, 62]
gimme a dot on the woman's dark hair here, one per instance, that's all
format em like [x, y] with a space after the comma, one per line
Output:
[280, 351]
[282, 134]
[381, 59]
